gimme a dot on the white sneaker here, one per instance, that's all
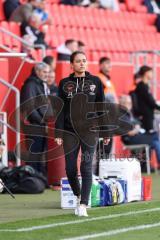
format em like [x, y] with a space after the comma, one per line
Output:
[82, 211]
[77, 207]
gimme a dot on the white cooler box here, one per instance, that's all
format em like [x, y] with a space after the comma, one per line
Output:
[68, 200]
[126, 168]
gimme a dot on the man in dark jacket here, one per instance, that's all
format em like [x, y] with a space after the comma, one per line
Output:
[138, 135]
[79, 92]
[33, 97]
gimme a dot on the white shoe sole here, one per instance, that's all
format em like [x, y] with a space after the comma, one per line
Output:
[76, 212]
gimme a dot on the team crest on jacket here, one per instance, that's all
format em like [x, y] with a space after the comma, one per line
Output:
[92, 89]
[69, 88]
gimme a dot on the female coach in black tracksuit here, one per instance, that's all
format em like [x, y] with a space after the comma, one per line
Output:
[78, 82]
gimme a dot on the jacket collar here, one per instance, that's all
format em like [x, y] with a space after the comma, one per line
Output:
[87, 75]
[36, 78]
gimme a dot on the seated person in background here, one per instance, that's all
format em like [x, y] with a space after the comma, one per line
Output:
[70, 2]
[90, 3]
[50, 61]
[66, 49]
[138, 135]
[94, 3]
[145, 100]
[110, 4]
[43, 14]
[9, 6]
[132, 93]
[104, 75]
[152, 6]
[52, 84]
[32, 29]
[149, 6]
[81, 46]
[24, 11]
[27, 48]
[106, 4]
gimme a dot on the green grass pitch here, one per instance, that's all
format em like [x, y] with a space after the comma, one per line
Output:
[19, 216]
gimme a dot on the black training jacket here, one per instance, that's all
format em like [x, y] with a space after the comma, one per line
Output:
[33, 87]
[89, 85]
[147, 105]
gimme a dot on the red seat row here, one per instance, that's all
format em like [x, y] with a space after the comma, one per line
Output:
[98, 18]
[99, 39]
[7, 40]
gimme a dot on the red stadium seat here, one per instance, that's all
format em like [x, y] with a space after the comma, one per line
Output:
[95, 56]
[2, 17]
[123, 7]
[15, 28]
[101, 30]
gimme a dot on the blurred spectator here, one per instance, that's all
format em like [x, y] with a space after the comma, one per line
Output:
[149, 6]
[26, 48]
[90, 3]
[138, 135]
[94, 3]
[110, 4]
[71, 2]
[158, 3]
[50, 61]
[104, 75]
[51, 77]
[34, 86]
[132, 93]
[52, 84]
[44, 16]
[65, 50]
[153, 6]
[146, 102]
[24, 11]
[9, 7]
[137, 79]
[107, 4]
[32, 29]
[81, 46]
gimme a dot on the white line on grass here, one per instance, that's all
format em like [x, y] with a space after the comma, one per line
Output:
[115, 232]
[52, 225]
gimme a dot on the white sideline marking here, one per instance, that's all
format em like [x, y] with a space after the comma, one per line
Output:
[115, 232]
[52, 225]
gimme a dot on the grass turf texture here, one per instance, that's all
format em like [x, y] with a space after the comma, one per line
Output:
[34, 210]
